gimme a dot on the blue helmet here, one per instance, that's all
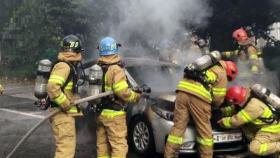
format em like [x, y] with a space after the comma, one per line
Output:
[108, 46]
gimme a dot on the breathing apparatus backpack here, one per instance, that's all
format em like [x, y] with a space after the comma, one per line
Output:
[96, 79]
[270, 99]
[97, 85]
[109, 102]
[44, 69]
[196, 70]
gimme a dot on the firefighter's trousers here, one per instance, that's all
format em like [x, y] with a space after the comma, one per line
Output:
[265, 143]
[64, 131]
[111, 134]
[187, 106]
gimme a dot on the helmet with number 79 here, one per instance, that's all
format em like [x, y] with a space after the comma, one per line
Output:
[71, 43]
[231, 70]
[236, 95]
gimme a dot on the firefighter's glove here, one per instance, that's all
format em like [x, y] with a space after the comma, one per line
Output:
[220, 122]
[146, 89]
[189, 69]
[66, 106]
[225, 122]
[136, 89]
[142, 89]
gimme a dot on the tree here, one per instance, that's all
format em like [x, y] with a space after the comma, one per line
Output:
[35, 28]
[232, 14]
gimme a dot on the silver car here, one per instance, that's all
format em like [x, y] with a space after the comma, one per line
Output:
[150, 120]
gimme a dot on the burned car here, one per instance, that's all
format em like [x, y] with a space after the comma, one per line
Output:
[150, 120]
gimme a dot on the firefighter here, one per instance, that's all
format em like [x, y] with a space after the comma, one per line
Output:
[194, 99]
[111, 122]
[62, 93]
[246, 51]
[255, 119]
[1, 89]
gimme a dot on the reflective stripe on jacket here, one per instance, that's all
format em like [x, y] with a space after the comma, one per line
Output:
[216, 77]
[196, 89]
[245, 53]
[111, 113]
[58, 77]
[254, 112]
[115, 80]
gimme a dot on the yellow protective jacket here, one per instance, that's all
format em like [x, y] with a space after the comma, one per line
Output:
[245, 53]
[115, 79]
[253, 114]
[217, 78]
[57, 79]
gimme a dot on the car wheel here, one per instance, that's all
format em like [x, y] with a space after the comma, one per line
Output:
[141, 137]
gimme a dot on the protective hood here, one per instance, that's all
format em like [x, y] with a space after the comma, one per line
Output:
[110, 59]
[69, 56]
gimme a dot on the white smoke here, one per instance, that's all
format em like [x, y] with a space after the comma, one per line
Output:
[140, 25]
[246, 78]
[148, 21]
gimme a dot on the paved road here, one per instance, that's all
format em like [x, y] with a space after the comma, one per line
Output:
[18, 114]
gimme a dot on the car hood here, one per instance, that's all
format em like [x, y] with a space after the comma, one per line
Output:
[167, 96]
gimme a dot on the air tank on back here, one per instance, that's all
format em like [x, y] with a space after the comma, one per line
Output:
[264, 93]
[95, 80]
[43, 73]
[206, 61]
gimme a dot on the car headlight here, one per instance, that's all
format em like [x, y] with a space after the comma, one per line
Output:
[163, 113]
[187, 146]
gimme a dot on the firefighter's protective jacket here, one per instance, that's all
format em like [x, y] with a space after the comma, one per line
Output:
[115, 79]
[254, 114]
[246, 53]
[216, 92]
[58, 77]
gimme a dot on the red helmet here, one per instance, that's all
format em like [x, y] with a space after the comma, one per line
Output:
[240, 35]
[236, 94]
[231, 69]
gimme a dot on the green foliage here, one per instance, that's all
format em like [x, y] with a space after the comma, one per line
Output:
[35, 29]
[31, 30]
[229, 15]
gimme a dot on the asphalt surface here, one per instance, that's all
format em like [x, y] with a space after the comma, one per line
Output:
[18, 114]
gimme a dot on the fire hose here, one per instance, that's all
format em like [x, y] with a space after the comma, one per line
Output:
[33, 129]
